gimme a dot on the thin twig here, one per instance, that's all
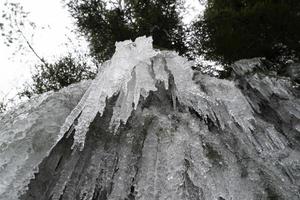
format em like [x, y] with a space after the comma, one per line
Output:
[29, 45]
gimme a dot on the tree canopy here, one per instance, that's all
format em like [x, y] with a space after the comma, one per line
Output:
[105, 22]
[236, 29]
[54, 76]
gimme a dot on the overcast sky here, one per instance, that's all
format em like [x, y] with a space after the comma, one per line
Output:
[48, 42]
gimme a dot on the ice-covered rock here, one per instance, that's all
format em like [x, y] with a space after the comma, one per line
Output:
[148, 128]
[27, 134]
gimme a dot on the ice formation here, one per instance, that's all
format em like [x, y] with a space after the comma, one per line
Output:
[27, 134]
[211, 145]
[177, 135]
[134, 70]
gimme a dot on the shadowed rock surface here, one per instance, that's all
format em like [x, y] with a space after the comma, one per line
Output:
[167, 153]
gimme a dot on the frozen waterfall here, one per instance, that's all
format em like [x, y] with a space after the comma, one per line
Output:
[149, 128]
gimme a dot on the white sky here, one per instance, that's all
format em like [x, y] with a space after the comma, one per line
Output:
[49, 42]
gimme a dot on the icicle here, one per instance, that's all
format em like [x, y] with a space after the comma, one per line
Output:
[130, 57]
[134, 71]
[159, 69]
[80, 106]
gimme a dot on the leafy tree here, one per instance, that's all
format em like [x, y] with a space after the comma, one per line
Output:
[237, 29]
[55, 76]
[105, 22]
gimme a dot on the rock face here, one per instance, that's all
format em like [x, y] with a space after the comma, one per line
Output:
[238, 140]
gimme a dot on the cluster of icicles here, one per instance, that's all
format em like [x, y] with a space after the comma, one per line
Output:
[134, 71]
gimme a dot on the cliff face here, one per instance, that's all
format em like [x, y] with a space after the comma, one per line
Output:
[238, 140]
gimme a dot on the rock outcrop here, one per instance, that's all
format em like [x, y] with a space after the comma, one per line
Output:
[230, 140]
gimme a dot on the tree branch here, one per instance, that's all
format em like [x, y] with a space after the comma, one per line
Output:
[29, 45]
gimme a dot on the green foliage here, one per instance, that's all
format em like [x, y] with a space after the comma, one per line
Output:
[236, 29]
[105, 22]
[55, 76]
